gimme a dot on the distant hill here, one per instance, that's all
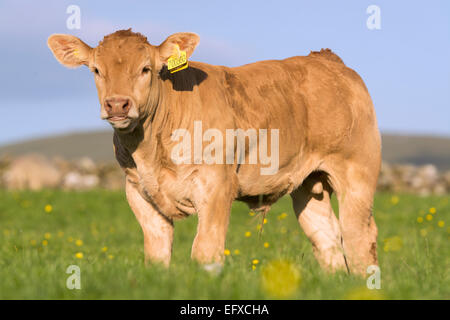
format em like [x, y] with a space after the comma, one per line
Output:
[96, 145]
[416, 150]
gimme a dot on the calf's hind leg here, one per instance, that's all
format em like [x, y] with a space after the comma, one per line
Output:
[312, 206]
[358, 227]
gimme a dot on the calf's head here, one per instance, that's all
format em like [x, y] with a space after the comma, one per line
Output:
[126, 70]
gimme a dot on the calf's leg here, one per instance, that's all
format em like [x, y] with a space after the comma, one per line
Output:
[312, 206]
[213, 218]
[157, 229]
[358, 227]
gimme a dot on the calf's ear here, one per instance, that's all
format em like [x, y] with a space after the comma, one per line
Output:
[186, 41]
[69, 50]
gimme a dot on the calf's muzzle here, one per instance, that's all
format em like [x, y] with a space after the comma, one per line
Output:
[117, 107]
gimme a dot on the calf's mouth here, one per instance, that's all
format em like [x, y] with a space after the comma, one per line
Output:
[117, 118]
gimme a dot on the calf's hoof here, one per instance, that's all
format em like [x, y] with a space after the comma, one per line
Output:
[213, 268]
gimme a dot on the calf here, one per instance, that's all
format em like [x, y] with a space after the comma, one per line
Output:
[319, 111]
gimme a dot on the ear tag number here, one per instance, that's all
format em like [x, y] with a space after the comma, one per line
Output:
[177, 61]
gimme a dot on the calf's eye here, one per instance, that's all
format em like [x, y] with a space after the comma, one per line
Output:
[145, 70]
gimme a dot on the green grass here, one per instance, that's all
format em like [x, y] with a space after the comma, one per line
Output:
[415, 265]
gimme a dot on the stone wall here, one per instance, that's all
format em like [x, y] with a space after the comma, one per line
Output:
[36, 172]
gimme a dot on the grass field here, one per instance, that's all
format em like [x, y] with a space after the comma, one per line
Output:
[42, 233]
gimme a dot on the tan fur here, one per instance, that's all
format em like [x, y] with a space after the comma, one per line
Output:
[329, 142]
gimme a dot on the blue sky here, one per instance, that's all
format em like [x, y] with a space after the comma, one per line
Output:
[405, 64]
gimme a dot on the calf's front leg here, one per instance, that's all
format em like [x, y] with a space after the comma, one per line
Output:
[157, 229]
[213, 218]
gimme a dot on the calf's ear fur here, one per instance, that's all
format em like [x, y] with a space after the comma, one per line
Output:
[186, 41]
[69, 50]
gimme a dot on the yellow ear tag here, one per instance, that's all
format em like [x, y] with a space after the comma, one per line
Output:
[177, 61]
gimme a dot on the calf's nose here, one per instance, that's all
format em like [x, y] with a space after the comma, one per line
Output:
[117, 105]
